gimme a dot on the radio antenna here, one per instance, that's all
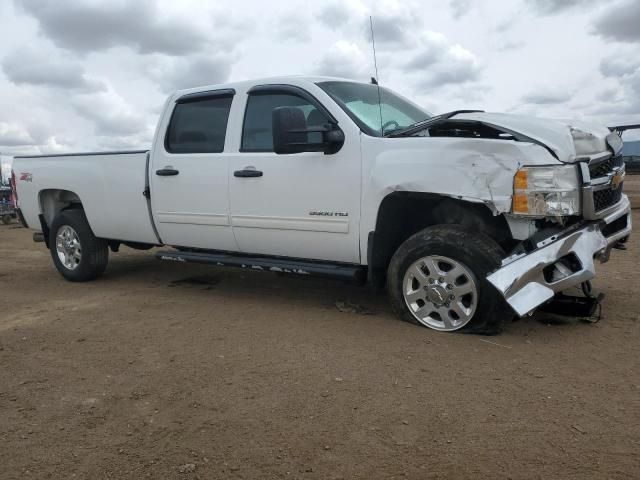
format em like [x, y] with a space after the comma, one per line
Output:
[376, 80]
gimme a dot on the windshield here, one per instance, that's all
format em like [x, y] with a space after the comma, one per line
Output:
[360, 102]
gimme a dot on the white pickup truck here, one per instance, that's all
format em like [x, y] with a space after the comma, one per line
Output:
[467, 217]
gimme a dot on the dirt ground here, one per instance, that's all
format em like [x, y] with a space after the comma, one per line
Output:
[162, 370]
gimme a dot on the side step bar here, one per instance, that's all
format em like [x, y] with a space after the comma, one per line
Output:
[355, 273]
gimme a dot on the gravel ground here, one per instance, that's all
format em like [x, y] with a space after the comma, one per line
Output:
[160, 370]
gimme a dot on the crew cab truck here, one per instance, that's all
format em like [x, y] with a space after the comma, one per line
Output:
[467, 217]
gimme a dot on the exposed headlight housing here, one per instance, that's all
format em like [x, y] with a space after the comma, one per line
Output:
[546, 191]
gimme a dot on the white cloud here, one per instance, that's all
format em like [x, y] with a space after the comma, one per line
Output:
[511, 45]
[438, 63]
[459, 8]
[12, 135]
[85, 26]
[549, 7]
[92, 74]
[547, 96]
[344, 59]
[610, 95]
[395, 22]
[395, 28]
[619, 66]
[176, 73]
[620, 23]
[340, 14]
[110, 113]
[428, 57]
[290, 28]
[624, 73]
[45, 67]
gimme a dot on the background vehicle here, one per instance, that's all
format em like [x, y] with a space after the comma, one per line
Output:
[631, 149]
[467, 217]
[7, 207]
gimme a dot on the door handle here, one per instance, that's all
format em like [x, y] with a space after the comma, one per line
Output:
[167, 172]
[247, 172]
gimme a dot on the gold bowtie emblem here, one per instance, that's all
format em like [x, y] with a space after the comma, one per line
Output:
[617, 179]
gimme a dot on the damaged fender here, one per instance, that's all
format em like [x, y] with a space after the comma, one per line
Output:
[476, 170]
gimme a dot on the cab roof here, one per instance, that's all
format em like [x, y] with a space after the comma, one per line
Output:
[246, 84]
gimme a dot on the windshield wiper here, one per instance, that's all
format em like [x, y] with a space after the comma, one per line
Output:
[423, 124]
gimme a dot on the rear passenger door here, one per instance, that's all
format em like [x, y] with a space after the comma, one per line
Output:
[189, 173]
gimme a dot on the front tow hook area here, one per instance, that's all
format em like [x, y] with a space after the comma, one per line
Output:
[587, 308]
[621, 244]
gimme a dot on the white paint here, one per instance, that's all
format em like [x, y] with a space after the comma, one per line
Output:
[556, 135]
[190, 209]
[271, 214]
[205, 206]
[292, 223]
[109, 186]
[187, 218]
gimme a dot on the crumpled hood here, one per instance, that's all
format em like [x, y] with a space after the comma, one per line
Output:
[569, 141]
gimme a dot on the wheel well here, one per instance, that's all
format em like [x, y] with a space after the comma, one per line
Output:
[403, 214]
[53, 201]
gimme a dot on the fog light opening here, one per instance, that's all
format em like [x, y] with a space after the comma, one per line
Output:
[563, 268]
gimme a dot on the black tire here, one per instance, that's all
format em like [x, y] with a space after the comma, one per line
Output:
[6, 219]
[476, 251]
[95, 251]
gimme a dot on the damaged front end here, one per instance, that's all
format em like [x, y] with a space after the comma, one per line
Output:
[553, 261]
[561, 261]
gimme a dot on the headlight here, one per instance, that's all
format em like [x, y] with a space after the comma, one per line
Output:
[546, 191]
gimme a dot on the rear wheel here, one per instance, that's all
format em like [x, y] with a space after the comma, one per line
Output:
[76, 252]
[6, 219]
[437, 278]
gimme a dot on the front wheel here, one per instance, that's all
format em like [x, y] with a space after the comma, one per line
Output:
[6, 219]
[437, 278]
[76, 252]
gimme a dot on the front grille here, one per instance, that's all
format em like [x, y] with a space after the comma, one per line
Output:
[605, 198]
[602, 169]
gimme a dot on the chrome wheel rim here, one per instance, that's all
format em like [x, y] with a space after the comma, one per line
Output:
[68, 247]
[440, 292]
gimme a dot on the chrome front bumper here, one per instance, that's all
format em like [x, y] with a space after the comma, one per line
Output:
[528, 280]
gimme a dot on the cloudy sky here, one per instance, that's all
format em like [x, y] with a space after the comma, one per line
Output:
[92, 74]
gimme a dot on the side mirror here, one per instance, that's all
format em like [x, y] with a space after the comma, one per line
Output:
[291, 135]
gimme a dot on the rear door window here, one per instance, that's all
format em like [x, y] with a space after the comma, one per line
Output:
[199, 125]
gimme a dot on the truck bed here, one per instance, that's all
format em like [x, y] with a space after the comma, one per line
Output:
[109, 185]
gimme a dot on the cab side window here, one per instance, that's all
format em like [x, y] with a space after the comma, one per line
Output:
[257, 133]
[199, 125]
